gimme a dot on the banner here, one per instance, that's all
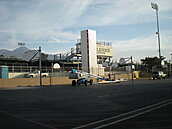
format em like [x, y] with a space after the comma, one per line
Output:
[104, 50]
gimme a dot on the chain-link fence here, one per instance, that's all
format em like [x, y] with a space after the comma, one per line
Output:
[24, 71]
[21, 75]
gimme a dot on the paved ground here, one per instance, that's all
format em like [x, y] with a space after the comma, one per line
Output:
[71, 107]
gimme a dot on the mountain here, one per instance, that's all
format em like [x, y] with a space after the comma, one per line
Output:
[18, 53]
[26, 54]
[22, 53]
[4, 52]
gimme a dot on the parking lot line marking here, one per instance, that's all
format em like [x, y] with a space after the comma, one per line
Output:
[140, 110]
[132, 116]
[102, 96]
[26, 119]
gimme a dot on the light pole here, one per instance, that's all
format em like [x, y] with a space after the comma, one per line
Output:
[155, 6]
[40, 66]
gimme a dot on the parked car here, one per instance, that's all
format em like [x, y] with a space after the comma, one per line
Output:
[159, 75]
[36, 74]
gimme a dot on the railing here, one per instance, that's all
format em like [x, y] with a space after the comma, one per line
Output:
[66, 56]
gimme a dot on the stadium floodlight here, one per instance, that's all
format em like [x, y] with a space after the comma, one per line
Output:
[155, 6]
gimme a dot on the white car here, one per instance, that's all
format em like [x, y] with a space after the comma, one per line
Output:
[36, 74]
[159, 75]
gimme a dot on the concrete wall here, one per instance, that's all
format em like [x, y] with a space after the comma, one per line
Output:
[13, 82]
[89, 51]
[122, 76]
[119, 76]
[84, 51]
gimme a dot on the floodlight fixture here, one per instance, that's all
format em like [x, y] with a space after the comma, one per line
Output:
[154, 6]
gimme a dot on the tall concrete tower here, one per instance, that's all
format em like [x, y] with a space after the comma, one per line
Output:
[89, 51]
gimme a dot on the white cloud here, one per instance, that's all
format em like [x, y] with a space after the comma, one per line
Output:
[142, 47]
[60, 36]
[32, 21]
[50, 21]
[121, 12]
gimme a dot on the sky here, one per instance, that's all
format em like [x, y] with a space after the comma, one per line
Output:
[55, 25]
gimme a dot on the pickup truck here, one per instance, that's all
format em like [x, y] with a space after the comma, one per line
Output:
[159, 75]
[36, 74]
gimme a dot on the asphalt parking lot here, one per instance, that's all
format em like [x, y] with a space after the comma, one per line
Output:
[145, 105]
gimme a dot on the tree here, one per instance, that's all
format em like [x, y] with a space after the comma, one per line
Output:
[151, 63]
